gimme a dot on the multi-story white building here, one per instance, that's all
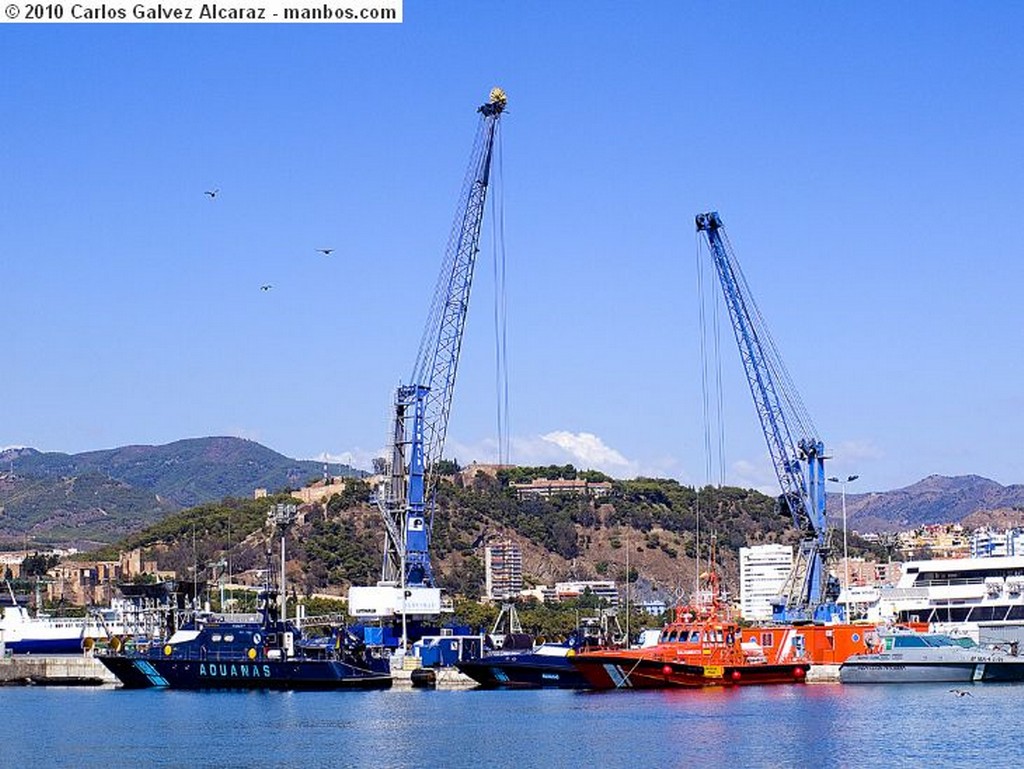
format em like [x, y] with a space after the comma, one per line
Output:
[605, 589]
[989, 543]
[764, 570]
[503, 570]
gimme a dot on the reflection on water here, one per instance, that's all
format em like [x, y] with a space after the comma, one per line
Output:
[813, 725]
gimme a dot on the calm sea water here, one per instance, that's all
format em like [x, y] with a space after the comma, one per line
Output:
[820, 725]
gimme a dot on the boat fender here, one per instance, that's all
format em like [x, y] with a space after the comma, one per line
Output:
[799, 673]
[115, 644]
[168, 650]
[252, 654]
[666, 670]
[736, 676]
[88, 643]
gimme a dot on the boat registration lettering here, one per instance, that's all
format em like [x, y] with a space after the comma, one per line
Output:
[225, 670]
[714, 671]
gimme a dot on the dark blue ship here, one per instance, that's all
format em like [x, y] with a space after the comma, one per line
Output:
[211, 653]
[264, 652]
[519, 664]
[542, 667]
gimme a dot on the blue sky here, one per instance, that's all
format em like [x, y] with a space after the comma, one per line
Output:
[866, 160]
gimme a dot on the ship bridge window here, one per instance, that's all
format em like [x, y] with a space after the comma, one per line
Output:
[909, 642]
[673, 635]
[767, 639]
[982, 613]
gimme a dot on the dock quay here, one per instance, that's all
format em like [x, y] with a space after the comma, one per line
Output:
[53, 670]
[823, 674]
[75, 670]
[82, 670]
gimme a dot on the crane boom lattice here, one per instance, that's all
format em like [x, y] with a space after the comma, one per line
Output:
[797, 454]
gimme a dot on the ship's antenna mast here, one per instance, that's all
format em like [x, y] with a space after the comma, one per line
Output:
[280, 517]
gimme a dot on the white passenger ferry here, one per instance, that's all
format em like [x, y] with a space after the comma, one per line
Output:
[982, 598]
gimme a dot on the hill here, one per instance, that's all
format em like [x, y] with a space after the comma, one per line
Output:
[100, 496]
[649, 523]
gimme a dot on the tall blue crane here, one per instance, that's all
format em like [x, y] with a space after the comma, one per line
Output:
[797, 453]
[421, 408]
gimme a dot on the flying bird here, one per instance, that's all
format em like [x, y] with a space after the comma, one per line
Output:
[325, 251]
[266, 287]
[212, 193]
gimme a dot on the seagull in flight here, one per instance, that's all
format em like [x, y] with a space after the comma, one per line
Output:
[961, 693]
[325, 251]
[266, 287]
[212, 193]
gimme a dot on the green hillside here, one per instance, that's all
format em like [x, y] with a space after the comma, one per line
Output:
[564, 536]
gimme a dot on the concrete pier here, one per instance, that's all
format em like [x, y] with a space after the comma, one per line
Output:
[823, 674]
[53, 670]
[445, 678]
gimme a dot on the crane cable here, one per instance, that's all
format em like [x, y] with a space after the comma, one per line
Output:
[705, 419]
[500, 307]
[717, 415]
[718, 412]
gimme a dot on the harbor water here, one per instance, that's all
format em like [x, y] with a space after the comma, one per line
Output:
[821, 725]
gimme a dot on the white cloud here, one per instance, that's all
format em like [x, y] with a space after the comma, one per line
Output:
[588, 449]
[361, 459]
[585, 451]
[852, 457]
[759, 475]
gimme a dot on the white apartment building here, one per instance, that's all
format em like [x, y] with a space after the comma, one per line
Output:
[503, 570]
[764, 570]
[990, 543]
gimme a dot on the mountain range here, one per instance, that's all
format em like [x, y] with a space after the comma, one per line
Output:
[98, 497]
[968, 499]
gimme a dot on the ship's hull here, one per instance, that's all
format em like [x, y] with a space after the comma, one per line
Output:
[904, 673]
[22, 634]
[603, 671]
[70, 645]
[523, 671]
[139, 672]
[886, 669]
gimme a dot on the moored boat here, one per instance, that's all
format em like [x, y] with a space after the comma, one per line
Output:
[701, 647]
[268, 651]
[520, 664]
[21, 632]
[210, 653]
[905, 656]
[545, 666]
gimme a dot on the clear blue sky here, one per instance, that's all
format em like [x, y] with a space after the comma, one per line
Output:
[866, 159]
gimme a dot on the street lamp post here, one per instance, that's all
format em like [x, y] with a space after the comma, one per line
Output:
[846, 555]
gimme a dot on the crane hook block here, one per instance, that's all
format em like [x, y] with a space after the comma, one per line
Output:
[496, 104]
